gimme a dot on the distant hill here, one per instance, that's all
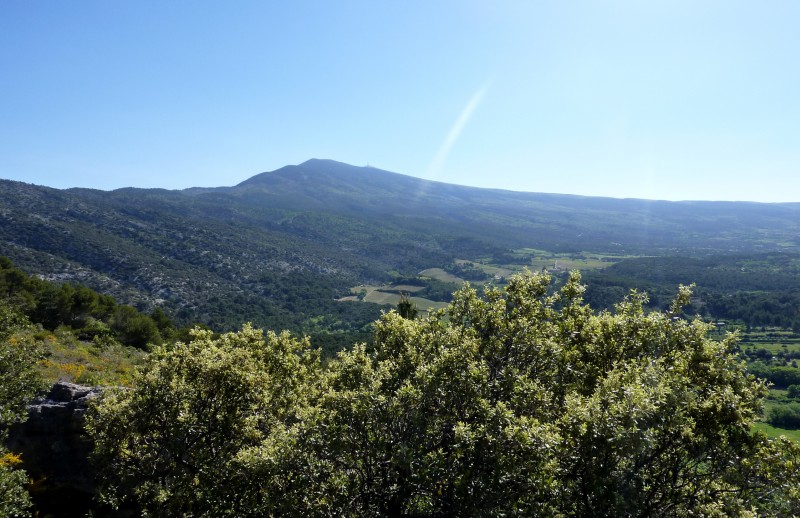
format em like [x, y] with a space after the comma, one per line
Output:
[278, 248]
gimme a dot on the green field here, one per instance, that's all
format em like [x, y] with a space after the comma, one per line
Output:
[382, 297]
[440, 275]
[773, 340]
[528, 258]
[773, 432]
[777, 396]
[537, 259]
[404, 288]
[390, 295]
[496, 272]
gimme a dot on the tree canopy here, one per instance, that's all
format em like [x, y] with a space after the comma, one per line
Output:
[516, 401]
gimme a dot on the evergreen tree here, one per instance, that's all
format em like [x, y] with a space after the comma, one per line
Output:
[406, 307]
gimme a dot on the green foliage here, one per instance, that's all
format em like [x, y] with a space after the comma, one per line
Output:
[518, 402]
[18, 385]
[170, 442]
[406, 307]
[528, 403]
[18, 353]
[438, 290]
[757, 289]
[89, 313]
[14, 499]
[101, 361]
[785, 416]
[133, 328]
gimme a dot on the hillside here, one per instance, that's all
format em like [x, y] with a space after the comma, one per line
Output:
[279, 248]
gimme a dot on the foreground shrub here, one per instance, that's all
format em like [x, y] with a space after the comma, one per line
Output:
[517, 402]
[168, 443]
[19, 383]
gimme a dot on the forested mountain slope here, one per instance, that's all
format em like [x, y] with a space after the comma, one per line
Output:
[280, 247]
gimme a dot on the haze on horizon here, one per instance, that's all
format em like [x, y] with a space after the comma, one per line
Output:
[677, 100]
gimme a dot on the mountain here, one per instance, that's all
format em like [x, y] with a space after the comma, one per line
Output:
[514, 219]
[279, 248]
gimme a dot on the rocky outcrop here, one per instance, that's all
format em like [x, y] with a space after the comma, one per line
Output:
[54, 448]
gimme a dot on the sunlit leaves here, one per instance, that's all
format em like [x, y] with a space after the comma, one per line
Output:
[170, 442]
[517, 401]
[19, 382]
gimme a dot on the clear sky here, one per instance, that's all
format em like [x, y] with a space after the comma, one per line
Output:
[642, 98]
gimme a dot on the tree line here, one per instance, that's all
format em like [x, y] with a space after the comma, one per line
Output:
[756, 290]
[90, 314]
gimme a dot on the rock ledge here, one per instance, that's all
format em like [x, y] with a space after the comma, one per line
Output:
[52, 442]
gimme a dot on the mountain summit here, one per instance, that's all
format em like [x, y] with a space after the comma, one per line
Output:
[337, 186]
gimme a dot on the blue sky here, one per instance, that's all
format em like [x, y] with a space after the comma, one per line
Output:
[650, 99]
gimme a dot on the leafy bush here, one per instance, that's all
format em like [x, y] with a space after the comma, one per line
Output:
[14, 499]
[785, 416]
[18, 384]
[518, 402]
[170, 443]
[133, 328]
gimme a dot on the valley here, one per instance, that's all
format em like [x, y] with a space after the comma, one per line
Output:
[439, 283]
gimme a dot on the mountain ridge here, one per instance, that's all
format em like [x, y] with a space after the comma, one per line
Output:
[266, 247]
[317, 164]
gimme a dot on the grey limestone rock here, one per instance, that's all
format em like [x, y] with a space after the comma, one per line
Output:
[52, 442]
